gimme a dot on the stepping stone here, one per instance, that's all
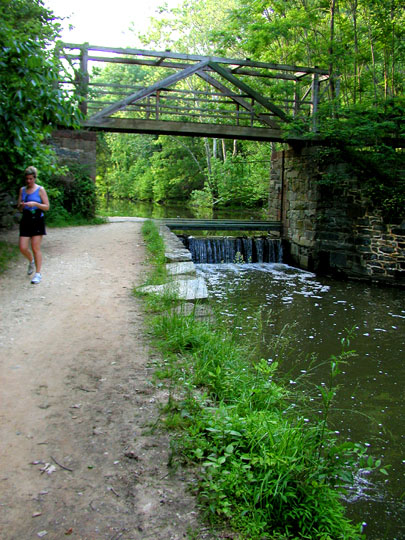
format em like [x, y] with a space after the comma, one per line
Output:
[175, 269]
[185, 289]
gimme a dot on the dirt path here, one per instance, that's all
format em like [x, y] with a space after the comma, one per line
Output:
[74, 372]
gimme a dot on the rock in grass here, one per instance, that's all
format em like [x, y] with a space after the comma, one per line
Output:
[184, 289]
[175, 269]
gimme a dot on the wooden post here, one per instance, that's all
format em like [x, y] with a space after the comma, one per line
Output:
[296, 106]
[147, 109]
[315, 101]
[84, 78]
[157, 104]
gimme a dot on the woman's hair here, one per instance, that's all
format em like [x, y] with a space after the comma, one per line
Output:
[31, 170]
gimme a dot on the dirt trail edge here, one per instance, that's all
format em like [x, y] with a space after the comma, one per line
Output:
[76, 402]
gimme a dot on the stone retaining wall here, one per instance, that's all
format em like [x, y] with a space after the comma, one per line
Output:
[333, 230]
[77, 146]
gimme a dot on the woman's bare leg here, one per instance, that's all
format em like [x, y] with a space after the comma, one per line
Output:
[36, 248]
[24, 247]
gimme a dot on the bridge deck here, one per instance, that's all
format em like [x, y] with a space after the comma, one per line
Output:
[220, 225]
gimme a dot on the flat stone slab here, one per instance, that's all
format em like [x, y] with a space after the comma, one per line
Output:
[176, 269]
[174, 248]
[185, 289]
[178, 255]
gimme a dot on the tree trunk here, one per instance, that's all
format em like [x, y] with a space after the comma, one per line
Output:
[208, 155]
[356, 75]
[331, 49]
[235, 147]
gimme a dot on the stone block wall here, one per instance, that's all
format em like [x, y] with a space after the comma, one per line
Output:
[334, 230]
[276, 187]
[77, 146]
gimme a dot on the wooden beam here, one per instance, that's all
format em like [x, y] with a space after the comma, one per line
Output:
[245, 88]
[199, 58]
[190, 129]
[132, 98]
[176, 65]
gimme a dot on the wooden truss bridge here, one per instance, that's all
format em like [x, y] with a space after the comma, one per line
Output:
[184, 94]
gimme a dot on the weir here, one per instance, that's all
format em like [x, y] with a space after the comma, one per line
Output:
[229, 249]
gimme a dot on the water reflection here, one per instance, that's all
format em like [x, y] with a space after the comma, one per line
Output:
[369, 406]
[161, 211]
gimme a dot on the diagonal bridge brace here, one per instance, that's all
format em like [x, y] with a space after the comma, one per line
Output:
[225, 90]
[145, 92]
[226, 74]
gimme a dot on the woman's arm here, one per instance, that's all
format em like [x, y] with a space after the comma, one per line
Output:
[44, 199]
[20, 205]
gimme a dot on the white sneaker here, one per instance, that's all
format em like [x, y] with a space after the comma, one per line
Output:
[37, 278]
[31, 267]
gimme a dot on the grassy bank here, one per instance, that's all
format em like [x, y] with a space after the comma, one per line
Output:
[266, 465]
[8, 252]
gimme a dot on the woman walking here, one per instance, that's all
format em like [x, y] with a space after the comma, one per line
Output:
[33, 201]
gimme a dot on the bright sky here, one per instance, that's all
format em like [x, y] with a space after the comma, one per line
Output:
[106, 22]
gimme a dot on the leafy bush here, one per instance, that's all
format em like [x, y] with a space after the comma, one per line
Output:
[72, 193]
[367, 140]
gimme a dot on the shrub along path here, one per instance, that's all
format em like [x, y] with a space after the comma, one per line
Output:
[78, 456]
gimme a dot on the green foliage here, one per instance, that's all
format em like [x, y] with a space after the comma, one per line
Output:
[8, 252]
[31, 103]
[361, 137]
[144, 167]
[363, 42]
[237, 184]
[7, 209]
[72, 195]
[267, 469]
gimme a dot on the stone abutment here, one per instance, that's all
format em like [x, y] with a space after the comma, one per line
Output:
[333, 229]
[77, 147]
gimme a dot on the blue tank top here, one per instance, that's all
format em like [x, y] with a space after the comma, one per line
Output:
[27, 197]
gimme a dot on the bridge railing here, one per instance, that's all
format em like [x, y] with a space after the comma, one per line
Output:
[219, 90]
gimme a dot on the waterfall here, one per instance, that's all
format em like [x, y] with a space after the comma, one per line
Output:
[230, 249]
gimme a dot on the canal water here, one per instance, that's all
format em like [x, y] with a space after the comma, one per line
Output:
[273, 298]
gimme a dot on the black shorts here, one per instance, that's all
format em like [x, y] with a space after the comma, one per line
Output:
[32, 224]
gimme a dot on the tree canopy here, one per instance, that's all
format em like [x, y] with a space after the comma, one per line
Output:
[31, 102]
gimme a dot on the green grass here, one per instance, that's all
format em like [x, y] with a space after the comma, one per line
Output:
[266, 465]
[8, 252]
[157, 274]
